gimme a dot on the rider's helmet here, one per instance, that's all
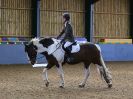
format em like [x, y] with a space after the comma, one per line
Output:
[66, 16]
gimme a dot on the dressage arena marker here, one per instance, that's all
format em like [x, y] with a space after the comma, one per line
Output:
[39, 65]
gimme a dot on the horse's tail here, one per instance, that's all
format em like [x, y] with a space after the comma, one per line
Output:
[103, 70]
[98, 47]
[99, 68]
[106, 69]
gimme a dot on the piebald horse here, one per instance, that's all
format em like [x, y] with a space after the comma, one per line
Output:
[53, 51]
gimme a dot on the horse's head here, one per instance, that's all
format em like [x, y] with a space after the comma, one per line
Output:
[31, 51]
[40, 45]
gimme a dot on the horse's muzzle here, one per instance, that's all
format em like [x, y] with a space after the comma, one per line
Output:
[33, 62]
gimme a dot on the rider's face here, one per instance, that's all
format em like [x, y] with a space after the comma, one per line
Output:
[64, 20]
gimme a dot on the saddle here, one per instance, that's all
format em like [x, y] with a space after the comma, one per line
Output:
[70, 47]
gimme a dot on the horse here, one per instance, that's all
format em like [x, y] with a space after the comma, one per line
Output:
[54, 52]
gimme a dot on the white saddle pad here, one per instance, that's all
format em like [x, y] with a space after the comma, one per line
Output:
[75, 48]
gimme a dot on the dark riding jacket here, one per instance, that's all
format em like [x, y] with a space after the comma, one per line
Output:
[68, 31]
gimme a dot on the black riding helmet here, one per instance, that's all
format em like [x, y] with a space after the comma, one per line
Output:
[66, 16]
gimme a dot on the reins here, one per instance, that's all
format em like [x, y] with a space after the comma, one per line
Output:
[57, 48]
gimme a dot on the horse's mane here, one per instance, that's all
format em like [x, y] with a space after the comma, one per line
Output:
[46, 42]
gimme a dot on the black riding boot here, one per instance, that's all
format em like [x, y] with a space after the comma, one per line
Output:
[70, 59]
[69, 48]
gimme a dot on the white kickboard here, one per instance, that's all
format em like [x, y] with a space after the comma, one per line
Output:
[39, 65]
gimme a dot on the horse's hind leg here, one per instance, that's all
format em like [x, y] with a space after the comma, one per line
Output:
[104, 72]
[86, 74]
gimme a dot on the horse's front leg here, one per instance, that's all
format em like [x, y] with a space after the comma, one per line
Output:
[45, 77]
[61, 74]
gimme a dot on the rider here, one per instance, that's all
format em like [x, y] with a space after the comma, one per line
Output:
[68, 33]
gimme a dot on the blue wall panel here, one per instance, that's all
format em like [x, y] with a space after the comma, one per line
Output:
[117, 52]
[14, 54]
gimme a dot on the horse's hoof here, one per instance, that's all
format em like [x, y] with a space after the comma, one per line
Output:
[109, 85]
[47, 84]
[61, 86]
[82, 86]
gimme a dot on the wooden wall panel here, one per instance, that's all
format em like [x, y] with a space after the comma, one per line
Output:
[51, 16]
[111, 19]
[15, 18]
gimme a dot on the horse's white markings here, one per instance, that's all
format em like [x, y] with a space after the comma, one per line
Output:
[45, 75]
[61, 74]
[58, 54]
[35, 41]
[38, 45]
[52, 48]
[56, 50]
[86, 75]
[41, 48]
